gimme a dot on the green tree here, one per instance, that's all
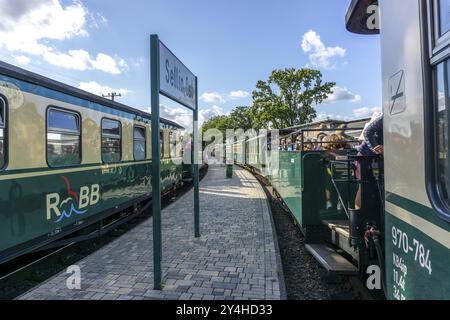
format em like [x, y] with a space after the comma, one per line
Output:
[242, 118]
[288, 97]
[221, 123]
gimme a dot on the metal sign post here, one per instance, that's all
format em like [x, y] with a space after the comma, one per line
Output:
[172, 79]
[156, 156]
[195, 165]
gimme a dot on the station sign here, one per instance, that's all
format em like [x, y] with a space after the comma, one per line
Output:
[176, 82]
[170, 78]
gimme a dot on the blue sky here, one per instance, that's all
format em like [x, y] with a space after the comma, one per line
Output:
[229, 44]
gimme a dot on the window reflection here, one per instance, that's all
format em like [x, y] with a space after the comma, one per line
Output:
[161, 144]
[62, 121]
[111, 150]
[111, 141]
[63, 138]
[2, 151]
[63, 149]
[2, 133]
[442, 165]
[173, 145]
[444, 15]
[139, 143]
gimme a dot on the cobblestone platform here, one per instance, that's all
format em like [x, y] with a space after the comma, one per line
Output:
[236, 257]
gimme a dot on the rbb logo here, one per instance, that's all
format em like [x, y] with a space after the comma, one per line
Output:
[73, 203]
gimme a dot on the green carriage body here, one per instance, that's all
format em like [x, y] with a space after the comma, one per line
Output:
[39, 203]
[303, 181]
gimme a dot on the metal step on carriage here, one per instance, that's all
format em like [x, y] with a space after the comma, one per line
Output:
[316, 184]
[348, 246]
[344, 240]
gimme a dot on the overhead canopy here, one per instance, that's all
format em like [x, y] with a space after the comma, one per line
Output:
[358, 15]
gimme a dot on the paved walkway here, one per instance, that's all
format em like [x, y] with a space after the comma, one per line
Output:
[236, 257]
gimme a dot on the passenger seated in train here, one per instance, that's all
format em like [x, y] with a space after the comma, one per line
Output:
[333, 143]
[372, 146]
[308, 145]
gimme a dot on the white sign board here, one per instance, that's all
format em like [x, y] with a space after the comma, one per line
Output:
[176, 82]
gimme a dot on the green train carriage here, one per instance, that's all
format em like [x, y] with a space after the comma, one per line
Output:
[69, 159]
[413, 212]
[414, 50]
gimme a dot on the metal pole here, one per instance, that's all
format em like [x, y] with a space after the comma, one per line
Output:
[197, 143]
[156, 152]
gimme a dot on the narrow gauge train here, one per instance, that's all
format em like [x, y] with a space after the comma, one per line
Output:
[415, 50]
[404, 217]
[70, 159]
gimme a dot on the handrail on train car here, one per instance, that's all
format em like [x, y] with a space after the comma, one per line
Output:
[303, 131]
[326, 130]
[348, 162]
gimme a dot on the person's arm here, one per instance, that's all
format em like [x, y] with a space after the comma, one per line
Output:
[373, 133]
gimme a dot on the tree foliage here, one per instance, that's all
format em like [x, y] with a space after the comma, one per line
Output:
[288, 97]
[221, 123]
[240, 118]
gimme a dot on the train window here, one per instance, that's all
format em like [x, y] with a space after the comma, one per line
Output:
[2, 132]
[173, 144]
[139, 143]
[441, 116]
[161, 144]
[111, 141]
[63, 138]
[444, 16]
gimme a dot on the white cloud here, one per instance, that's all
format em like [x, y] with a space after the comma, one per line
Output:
[137, 62]
[81, 60]
[23, 60]
[366, 112]
[180, 115]
[206, 114]
[212, 97]
[97, 20]
[343, 94]
[359, 113]
[102, 18]
[319, 54]
[183, 116]
[28, 27]
[326, 116]
[98, 89]
[215, 97]
[239, 94]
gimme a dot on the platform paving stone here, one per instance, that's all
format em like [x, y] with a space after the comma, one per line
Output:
[235, 258]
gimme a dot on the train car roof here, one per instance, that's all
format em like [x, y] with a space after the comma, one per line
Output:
[34, 78]
[356, 18]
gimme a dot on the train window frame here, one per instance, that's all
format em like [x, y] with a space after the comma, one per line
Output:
[4, 129]
[111, 136]
[144, 140]
[436, 54]
[78, 133]
[438, 41]
[173, 144]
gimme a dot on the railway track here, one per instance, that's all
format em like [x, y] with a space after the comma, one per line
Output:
[22, 274]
